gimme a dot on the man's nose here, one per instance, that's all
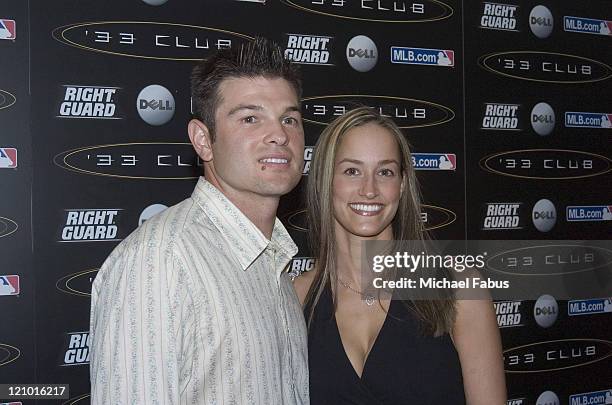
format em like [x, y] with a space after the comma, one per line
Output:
[277, 134]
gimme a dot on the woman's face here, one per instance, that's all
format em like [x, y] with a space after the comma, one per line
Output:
[367, 182]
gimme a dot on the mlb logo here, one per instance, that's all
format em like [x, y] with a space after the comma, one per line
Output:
[9, 285]
[8, 158]
[448, 161]
[446, 58]
[7, 29]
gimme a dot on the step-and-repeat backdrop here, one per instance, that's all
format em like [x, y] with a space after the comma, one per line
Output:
[506, 103]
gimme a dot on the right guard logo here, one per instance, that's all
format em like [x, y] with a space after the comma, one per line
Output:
[508, 313]
[501, 117]
[499, 17]
[545, 311]
[77, 349]
[544, 215]
[89, 102]
[307, 159]
[90, 225]
[308, 49]
[502, 216]
[588, 307]
[594, 397]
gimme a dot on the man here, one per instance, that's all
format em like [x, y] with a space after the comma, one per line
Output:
[194, 307]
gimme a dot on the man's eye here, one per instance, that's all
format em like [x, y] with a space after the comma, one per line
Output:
[290, 121]
[351, 171]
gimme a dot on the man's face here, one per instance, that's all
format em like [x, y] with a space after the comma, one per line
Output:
[259, 138]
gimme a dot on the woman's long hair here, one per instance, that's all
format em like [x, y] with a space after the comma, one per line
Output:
[437, 315]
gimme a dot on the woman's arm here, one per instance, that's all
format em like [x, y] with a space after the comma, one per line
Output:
[478, 342]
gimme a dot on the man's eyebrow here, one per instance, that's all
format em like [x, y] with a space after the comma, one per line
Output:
[293, 108]
[241, 107]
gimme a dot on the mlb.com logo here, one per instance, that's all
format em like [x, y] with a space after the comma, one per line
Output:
[8, 158]
[594, 397]
[434, 161]
[583, 213]
[587, 25]
[587, 307]
[422, 56]
[8, 29]
[588, 120]
[9, 285]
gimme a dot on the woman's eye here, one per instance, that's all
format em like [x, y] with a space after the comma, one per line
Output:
[249, 120]
[387, 172]
[351, 171]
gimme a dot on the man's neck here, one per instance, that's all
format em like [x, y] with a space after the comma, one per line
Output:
[260, 210]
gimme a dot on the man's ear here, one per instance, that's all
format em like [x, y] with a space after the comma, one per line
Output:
[200, 138]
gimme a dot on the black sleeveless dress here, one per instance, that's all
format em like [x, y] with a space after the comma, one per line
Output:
[403, 367]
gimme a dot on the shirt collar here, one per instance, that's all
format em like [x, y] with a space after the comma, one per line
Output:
[245, 239]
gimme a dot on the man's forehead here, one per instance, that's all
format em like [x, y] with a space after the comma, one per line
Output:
[254, 85]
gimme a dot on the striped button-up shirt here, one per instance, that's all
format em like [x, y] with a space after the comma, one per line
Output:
[195, 307]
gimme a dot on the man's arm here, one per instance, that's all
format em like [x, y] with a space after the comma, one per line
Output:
[141, 322]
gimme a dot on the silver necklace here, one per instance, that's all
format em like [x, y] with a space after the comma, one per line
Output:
[369, 299]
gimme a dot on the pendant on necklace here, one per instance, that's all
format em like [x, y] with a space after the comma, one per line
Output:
[369, 299]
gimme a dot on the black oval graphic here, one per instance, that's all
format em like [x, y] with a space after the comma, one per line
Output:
[147, 40]
[550, 260]
[406, 112]
[547, 67]
[555, 355]
[77, 283]
[437, 217]
[7, 227]
[138, 160]
[377, 11]
[8, 354]
[546, 164]
[6, 99]
[298, 220]
[81, 399]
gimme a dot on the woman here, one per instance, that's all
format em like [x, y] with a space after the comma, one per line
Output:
[362, 187]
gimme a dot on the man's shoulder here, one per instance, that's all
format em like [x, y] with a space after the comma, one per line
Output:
[164, 233]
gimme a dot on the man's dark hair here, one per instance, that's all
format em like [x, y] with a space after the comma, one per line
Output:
[261, 57]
